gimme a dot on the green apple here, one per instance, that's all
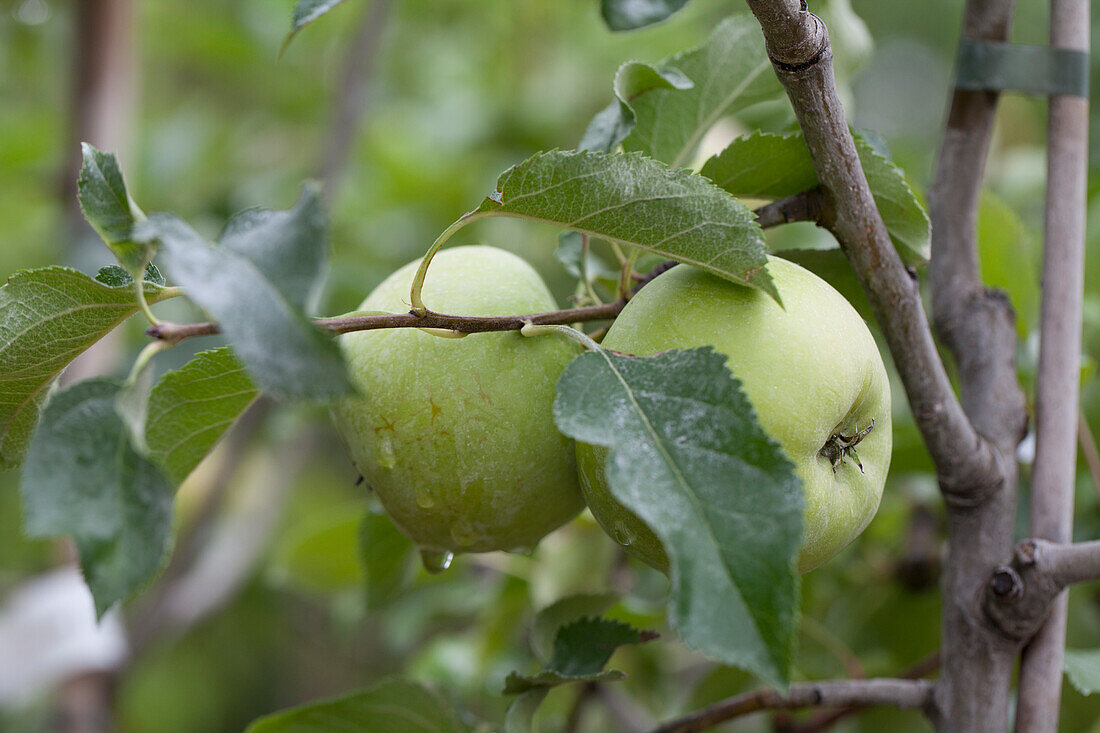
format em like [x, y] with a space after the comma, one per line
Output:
[813, 373]
[456, 435]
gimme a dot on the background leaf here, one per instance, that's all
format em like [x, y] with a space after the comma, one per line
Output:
[392, 706]
[581, 649]
[631, 199]
[763, 165]
[286, 355]
[611, 125]
[48, 317]
[190, 408]
[1083, 669]
[83, 478]
[551, 619]
[730, 71]
[689, 458]
[304, 13]
[626, 15]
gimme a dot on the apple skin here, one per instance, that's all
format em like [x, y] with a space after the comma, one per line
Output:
[811, 369]
[456, 435]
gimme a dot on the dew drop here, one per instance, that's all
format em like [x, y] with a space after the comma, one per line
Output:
[386, 457]
[622, 534]
[436, 561]
[424, 498]
[522, 550]
[463, 533]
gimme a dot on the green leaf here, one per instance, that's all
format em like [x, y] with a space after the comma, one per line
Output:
[611, 126]
[305, 12]
[114, 276]
[626, 15]
[387, 556]
[730, 71]
[289, 248]
[190, 408]
[581, 649]
[108, 207]
[83, 478]
[1083, 669]
[392, 706]
[564, 611]
[639, 202]
[689, 458]
[763, 165]
[285, 353]
[48, 317]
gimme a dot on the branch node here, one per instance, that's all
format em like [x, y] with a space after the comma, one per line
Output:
[1006, 583]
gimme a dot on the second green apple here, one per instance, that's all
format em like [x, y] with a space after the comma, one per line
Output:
[813, 373]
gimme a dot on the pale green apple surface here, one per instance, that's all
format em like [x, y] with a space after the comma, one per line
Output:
[811, 370]
[456, 435]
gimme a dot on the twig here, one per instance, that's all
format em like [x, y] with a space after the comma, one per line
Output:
[805, 206]
[145, 618]
[462, 324]
[629, 716]
[1019, 596]
[825, 719]
[1087, 442]
[899, 693]
[1057, 385]
[351, 102]
[785, 210]
[576, 713]
[236, 543]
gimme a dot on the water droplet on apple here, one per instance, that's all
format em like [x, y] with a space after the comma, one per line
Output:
[463, 533]
[424, 498]
[386, 456]
[436, 561]
[622, 534]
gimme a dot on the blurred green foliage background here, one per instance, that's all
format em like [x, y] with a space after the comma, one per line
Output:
[460, 91]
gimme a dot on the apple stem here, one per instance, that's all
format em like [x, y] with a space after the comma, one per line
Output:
[531, 329]
[415, 297]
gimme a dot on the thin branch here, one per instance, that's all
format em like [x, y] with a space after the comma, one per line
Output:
[1069, 564]
[1019, 596]
[146, 618]
[798, 45]
[899, 693]
[1057, 384]
[825, 719]
[236, 544]
[351, 101]
[462, 324]
[805, 206]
